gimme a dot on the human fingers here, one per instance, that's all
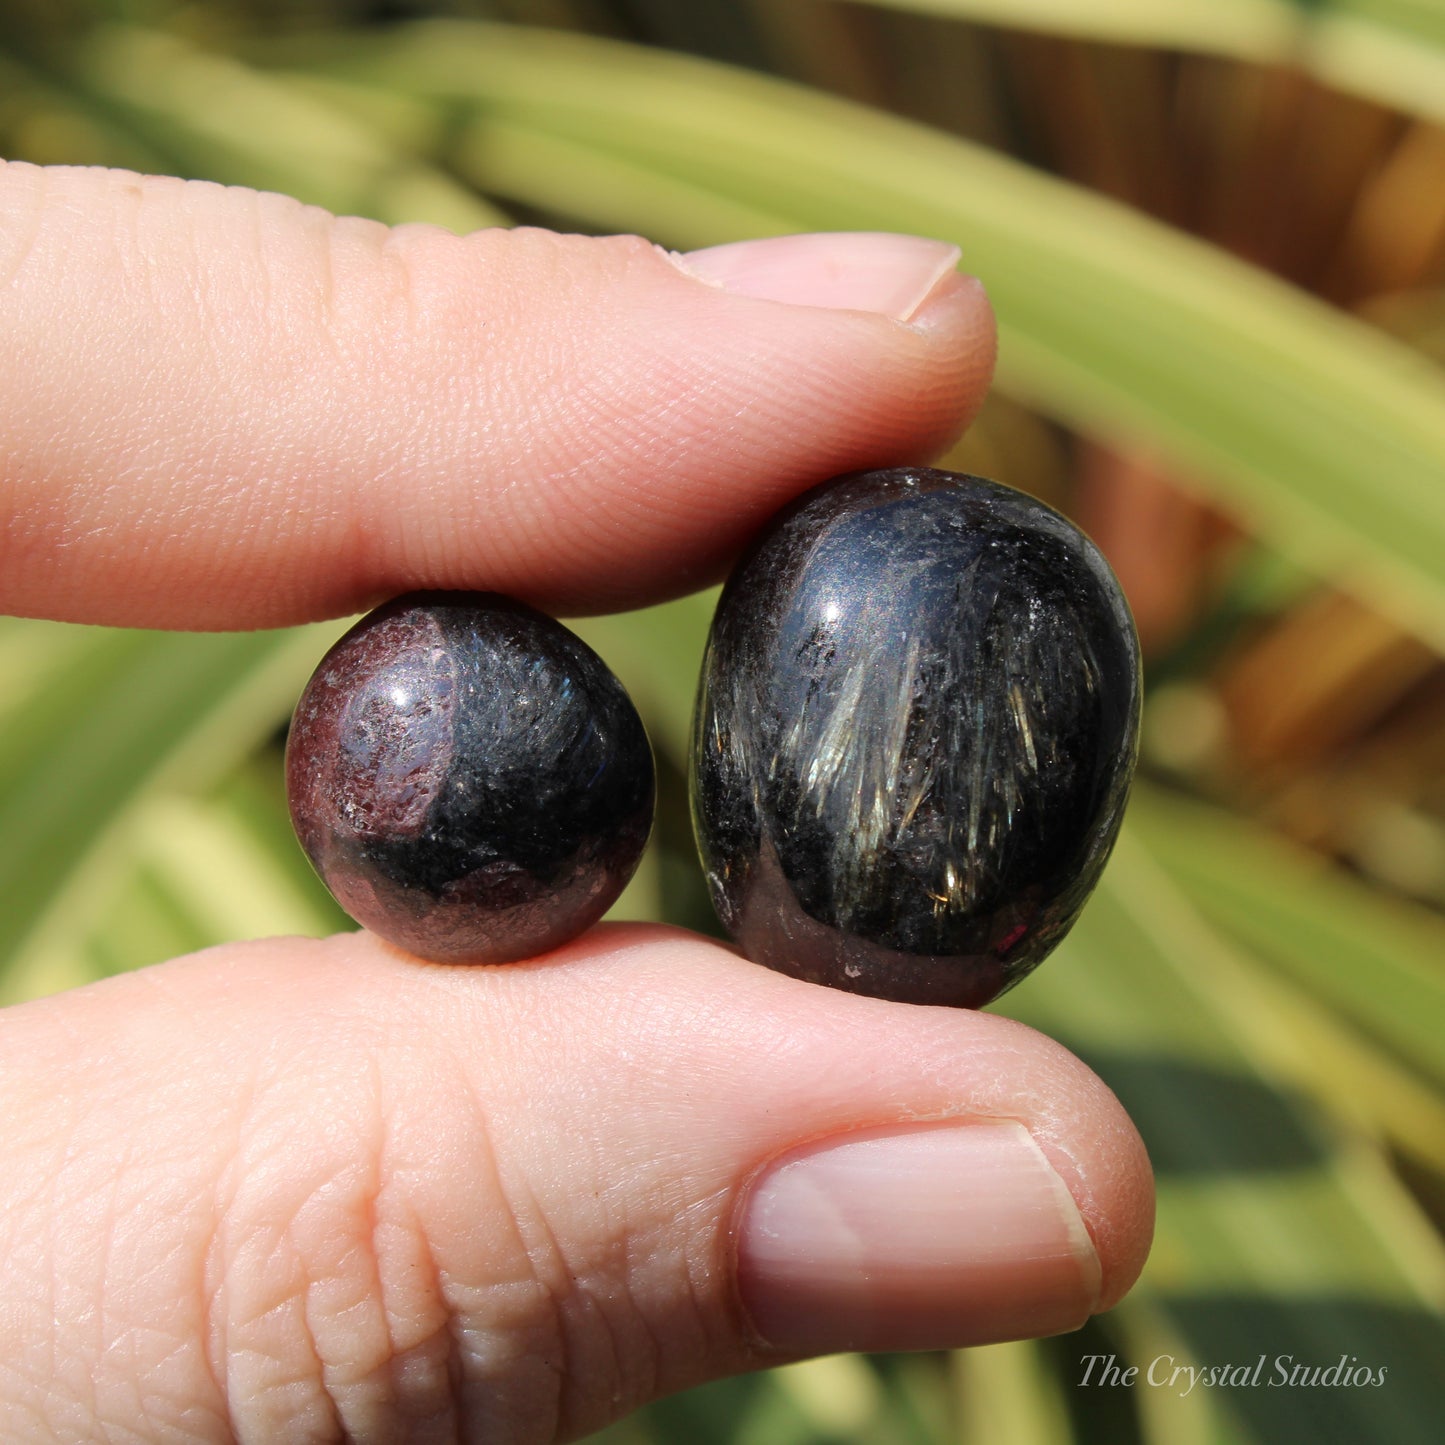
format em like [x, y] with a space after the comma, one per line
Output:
[304, 1190]
[221, 408]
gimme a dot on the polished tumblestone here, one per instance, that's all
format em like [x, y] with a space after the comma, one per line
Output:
[914, 736]
[468, 778]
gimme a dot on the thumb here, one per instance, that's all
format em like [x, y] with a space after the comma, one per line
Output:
[227, 409]
[302, 1190]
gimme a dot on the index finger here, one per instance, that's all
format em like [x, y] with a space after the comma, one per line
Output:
[221, 408]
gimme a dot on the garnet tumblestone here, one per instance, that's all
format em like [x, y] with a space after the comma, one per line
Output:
[468, 778]
[914, 736]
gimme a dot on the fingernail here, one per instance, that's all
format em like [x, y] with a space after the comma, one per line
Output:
[851, 270]
[932, 1237]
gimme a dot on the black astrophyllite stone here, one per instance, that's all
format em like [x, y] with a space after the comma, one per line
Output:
[914, 736]
[468, 778]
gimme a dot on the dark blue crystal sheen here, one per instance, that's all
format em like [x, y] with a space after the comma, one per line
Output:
[468, 778]
[914, 736]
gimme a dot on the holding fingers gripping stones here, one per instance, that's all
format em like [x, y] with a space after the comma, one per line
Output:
[468, 778]
[914, 736]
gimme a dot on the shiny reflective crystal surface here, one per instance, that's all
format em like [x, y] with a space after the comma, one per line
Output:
[468, 778]
[914, 736]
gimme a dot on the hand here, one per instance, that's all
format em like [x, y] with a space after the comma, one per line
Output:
[313, 1190]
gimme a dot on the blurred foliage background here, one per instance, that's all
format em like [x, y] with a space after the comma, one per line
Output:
[1215, 234]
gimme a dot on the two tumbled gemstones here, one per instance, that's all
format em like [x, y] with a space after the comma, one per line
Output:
[913, 741]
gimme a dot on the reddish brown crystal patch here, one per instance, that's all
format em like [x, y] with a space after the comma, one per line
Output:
[372, 736]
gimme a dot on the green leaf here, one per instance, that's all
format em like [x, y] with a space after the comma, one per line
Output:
[45, 122]
[1281, 1226]
[1145, 985]
[1245, 29]
[1168, 1417]
[120, 719]
[232, 882]
[1392, 51]
[1381, 963]
[1323, 434]
[214, 117]
[612, 193]
[657, 654]
[839, 1395]
[197, 872]
[641, 901]
[1008, 1392]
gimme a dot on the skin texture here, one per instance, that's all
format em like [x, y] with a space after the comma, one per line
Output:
[227, 409]
[518, 1179]
[315, 1191]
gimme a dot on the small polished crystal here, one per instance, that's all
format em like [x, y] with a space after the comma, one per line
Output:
[914, 736]
[468, 778]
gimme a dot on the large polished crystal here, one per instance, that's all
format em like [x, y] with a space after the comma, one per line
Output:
[914, 736]
[468, 778]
